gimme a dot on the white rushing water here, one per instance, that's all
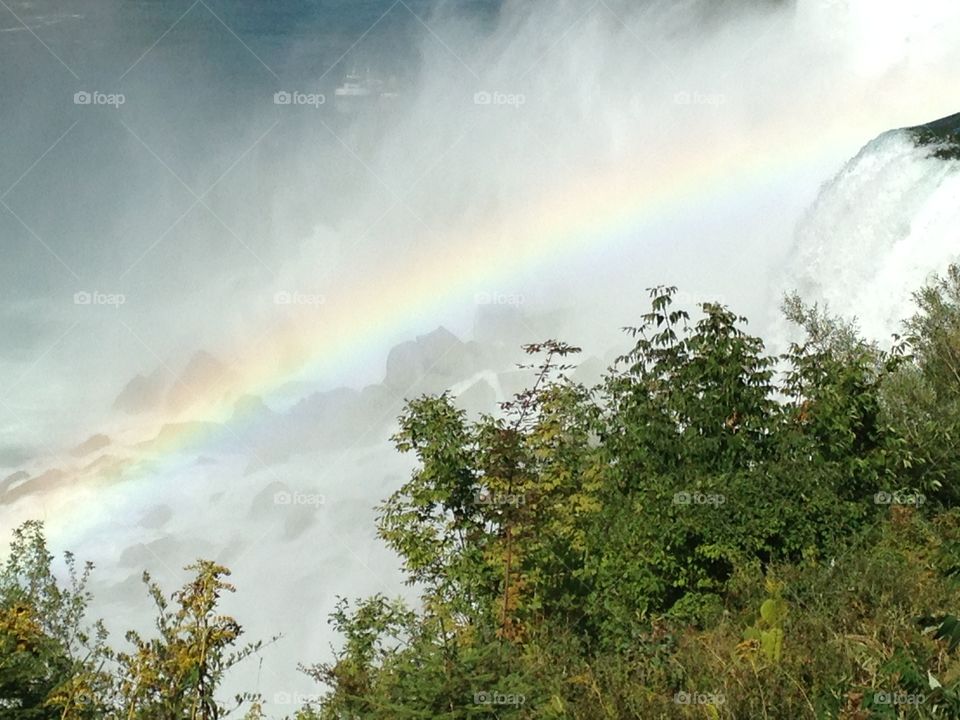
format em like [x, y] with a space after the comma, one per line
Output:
[877, 231]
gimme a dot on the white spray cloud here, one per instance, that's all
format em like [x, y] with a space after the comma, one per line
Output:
[500, 118]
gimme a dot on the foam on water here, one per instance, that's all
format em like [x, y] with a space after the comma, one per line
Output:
[877, 231]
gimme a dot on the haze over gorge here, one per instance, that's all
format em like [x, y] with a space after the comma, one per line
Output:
[236, 237]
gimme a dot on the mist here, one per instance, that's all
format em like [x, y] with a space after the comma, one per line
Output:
[523, 170]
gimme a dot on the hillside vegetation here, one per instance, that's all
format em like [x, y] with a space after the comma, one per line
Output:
[710, 532]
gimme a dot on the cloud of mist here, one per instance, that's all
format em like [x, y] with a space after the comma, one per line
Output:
[200, 201]
[308, 200]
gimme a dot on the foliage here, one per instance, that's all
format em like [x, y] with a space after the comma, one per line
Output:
[923, 400]
[177, 673]
[610, 551]
[51, 666]
[711, 531]
[44, 645]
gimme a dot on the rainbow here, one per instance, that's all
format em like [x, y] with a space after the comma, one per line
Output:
[596, 212]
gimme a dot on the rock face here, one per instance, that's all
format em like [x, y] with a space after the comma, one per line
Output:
[45, 482]
[142, 394]
[202, 375]
[942, 136]
[175, 551]
[325, 421]
[431, 363]
[343, 417]
[181, 436]
[480, 397]
[11, 481]
[90, 445]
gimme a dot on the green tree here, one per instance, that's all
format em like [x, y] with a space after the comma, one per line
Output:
[177, 674]
[922, 400]
[45, 648]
